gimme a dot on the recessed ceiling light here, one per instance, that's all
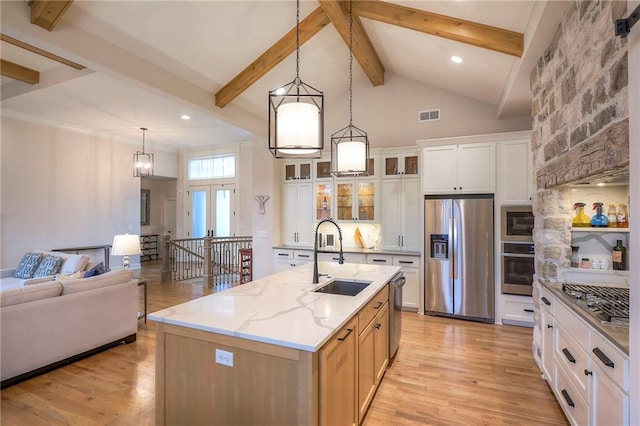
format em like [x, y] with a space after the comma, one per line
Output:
[185, 117]
[600, 184]
[456, 59]
[280, 91]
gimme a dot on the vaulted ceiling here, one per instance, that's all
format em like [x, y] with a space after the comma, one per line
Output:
[147, 63]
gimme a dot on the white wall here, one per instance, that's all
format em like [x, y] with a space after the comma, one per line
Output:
[389, 113]
[266, 227]
[634, 219]
[62, 189]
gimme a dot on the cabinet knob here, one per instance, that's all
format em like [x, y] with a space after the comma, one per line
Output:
[588, 373]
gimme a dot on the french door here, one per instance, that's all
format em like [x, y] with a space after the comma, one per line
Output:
[212, 210]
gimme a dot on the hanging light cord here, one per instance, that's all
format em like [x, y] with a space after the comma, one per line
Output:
[350, 65]
[297, 80]
[143, 130]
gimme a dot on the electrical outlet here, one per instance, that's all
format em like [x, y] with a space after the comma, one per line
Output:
[224, 357]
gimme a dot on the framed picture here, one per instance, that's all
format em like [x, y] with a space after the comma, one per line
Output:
[145, 206]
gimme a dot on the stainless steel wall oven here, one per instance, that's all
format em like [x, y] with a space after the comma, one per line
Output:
[517, 250]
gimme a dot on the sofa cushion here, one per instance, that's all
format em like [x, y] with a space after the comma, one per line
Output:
[74, 263]
[15, 296]
[28, 265]
[68, 277]
[50, 265]
[96, 270]
[110, 278]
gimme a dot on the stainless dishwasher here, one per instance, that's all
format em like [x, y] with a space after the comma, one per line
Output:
[395, 312]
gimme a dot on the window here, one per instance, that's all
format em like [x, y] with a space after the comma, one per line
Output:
[215, 167]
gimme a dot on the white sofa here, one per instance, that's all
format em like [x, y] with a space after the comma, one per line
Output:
[71, 263]
[47, 325]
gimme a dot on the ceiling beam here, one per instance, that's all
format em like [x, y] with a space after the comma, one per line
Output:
[18, 72]
[47, 13]
[40, 52]
[488, 37]
[313, 23]
[362, 49]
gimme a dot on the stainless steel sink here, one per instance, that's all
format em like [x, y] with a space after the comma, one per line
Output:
[344, 287]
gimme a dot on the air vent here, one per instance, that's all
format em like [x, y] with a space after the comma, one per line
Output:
[430, 115]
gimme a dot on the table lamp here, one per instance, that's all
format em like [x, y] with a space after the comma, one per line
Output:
[125, 245]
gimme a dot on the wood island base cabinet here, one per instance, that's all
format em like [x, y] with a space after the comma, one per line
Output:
[270, 384]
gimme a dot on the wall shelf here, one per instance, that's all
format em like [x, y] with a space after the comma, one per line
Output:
[596, 229]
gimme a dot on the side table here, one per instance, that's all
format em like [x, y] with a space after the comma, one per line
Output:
[143, 282]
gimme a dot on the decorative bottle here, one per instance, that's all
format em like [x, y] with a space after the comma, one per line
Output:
[619, 257]
[623, 217]
[612, 216]
[581, 220]
[599, 220]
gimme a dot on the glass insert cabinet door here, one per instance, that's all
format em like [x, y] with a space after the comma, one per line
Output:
[360, 194]
[401, 165]
[212, 210]
[323, 201]
[297, 171]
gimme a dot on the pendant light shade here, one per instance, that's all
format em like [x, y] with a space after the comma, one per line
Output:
[350, 145]
[142, 161]
[349, 152]
[296, 115]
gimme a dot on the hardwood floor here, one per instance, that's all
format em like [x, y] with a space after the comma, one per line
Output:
[446, 372]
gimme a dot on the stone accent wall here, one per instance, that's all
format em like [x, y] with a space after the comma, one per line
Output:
[580, 103]
[580, 116]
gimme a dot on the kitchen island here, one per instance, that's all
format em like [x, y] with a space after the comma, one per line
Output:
[273, 351]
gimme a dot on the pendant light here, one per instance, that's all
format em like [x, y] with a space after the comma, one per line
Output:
[296, 115]
[142, 161]
[350, 145]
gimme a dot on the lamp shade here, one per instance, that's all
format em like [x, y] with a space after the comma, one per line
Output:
[125, 245]
[352, 156]
[297, 131]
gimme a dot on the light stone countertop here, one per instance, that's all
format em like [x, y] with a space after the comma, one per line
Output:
[281, 309]
[398, 252]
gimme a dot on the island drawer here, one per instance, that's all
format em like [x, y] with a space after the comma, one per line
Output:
[372, 308]
[611, 360]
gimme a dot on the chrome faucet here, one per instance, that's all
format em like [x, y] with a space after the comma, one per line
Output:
[316, 276]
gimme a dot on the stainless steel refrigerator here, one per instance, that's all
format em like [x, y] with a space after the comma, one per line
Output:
[459, 272]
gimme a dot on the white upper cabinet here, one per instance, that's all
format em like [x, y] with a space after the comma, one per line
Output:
[401, 213]
[515, 178]
[397, 165]
[297, 170]
[463, 168]
[297, 214]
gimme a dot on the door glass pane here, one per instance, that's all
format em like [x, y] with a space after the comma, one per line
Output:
[411, 165]
[391, 166]
[323, 201]
[345, 201]
[323, 169]
[366, 197]
[305, 171]
[199, 214]
[223, 213]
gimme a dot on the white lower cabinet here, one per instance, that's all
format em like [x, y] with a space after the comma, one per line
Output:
[518, 310]
[284, 259]
[588, 374]
[410, 267]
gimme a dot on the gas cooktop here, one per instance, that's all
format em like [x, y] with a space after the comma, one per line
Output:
[609, 305]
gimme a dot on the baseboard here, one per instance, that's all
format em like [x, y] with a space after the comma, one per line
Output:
[38, 371]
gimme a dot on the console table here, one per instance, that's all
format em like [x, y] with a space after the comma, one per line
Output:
[105, 247]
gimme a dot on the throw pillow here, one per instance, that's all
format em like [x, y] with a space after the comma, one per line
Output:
[28, 265]
[74, 263]
[96, 270]
[50, 265]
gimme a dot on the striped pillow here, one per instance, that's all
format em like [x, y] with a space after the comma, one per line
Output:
[50, 265]
[28, 265]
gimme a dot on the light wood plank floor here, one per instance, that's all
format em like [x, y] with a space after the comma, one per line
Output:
[446, 372]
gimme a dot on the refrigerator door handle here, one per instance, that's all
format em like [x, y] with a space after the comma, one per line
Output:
[451, 254]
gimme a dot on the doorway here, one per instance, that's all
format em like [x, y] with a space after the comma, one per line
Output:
[212, 210]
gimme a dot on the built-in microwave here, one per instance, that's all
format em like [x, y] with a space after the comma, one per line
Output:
[517, 223]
